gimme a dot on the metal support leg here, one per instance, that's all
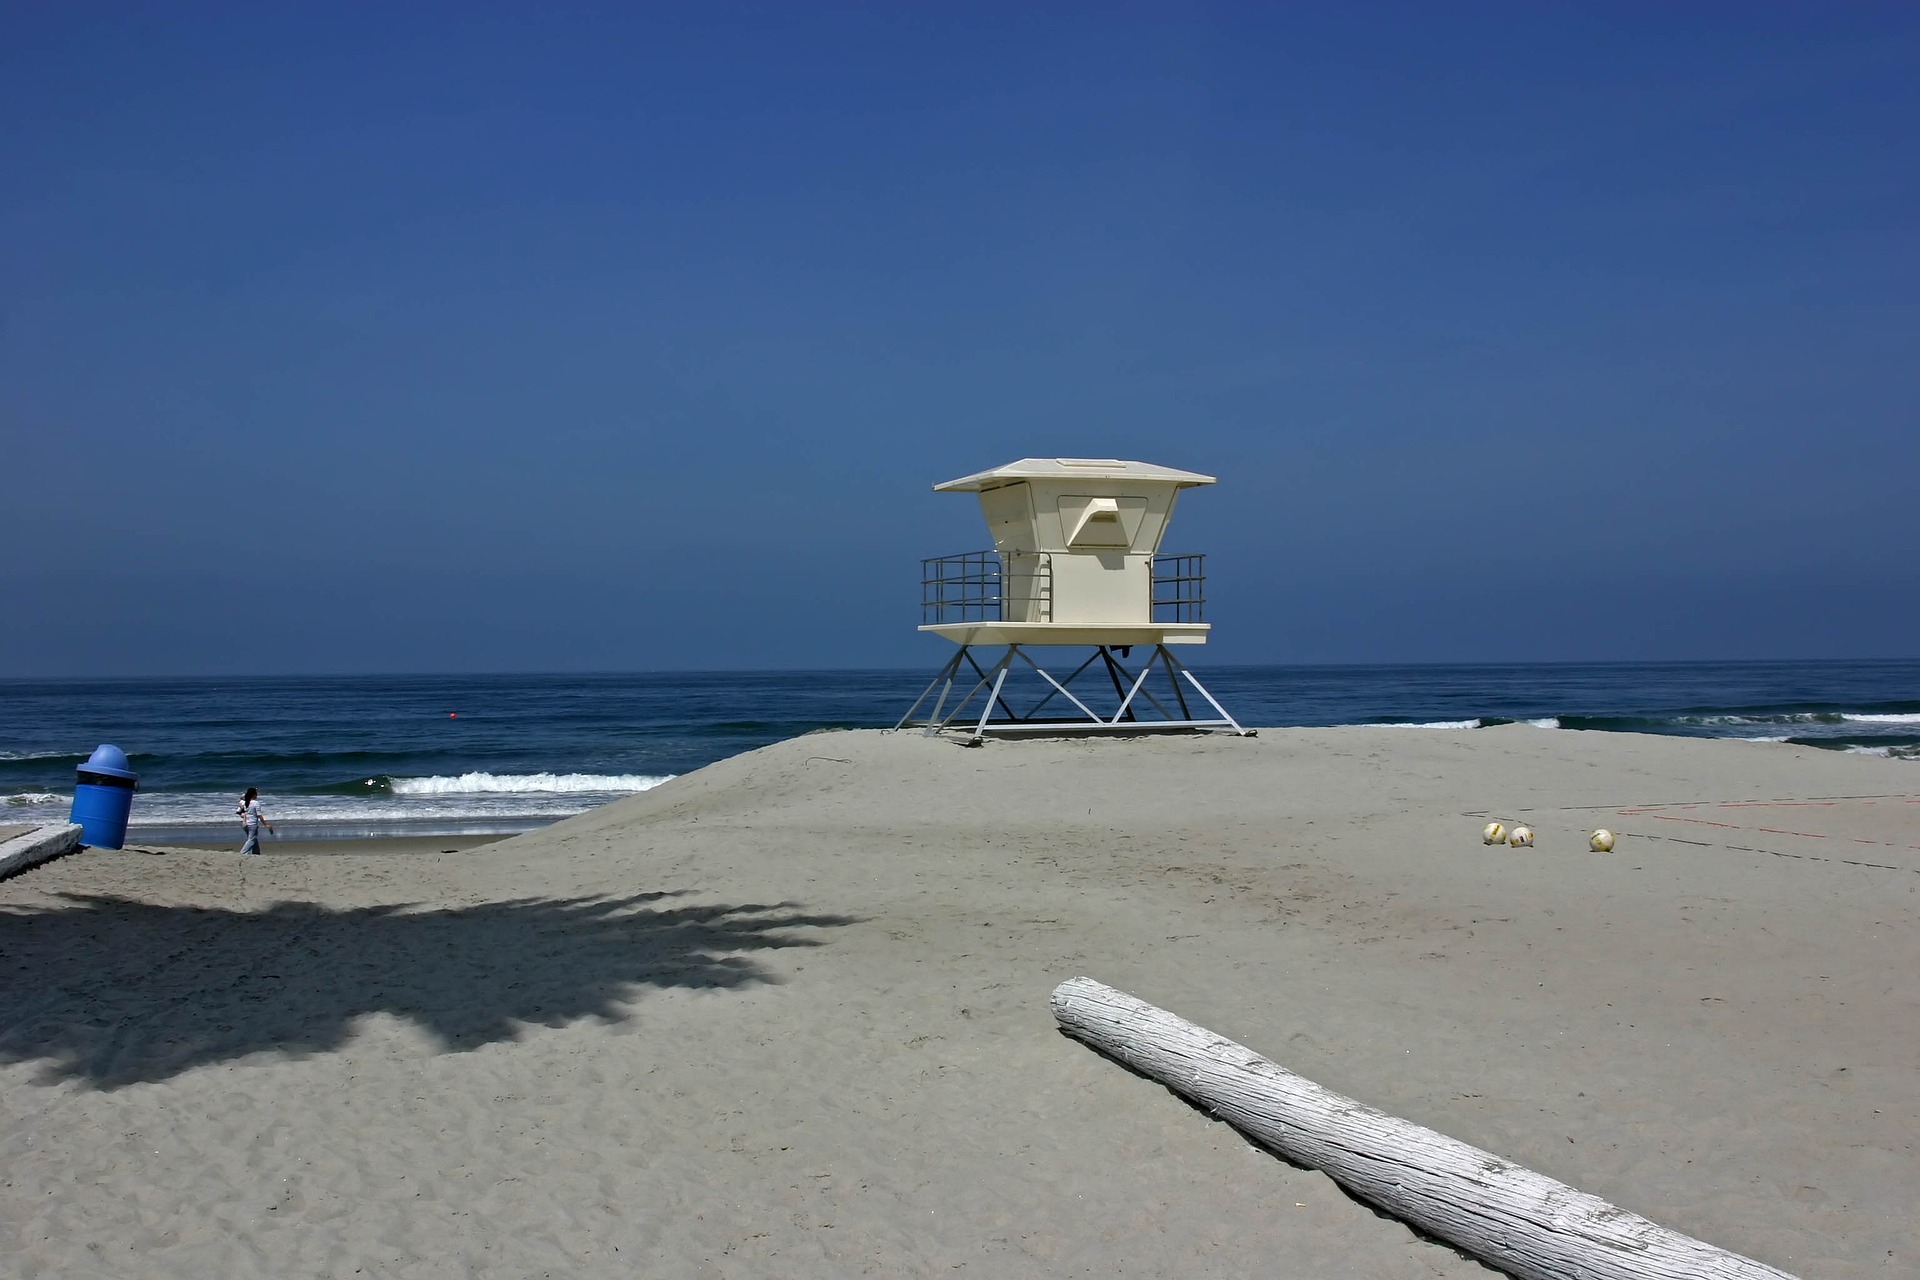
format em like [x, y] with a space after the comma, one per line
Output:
[946, 673]
[1203, 693]
[999, 678]
[1127, 701]
[997, 715]
[1186, 713]
[1141, 689]
[1106, 656]
[938, 723]
[1061, 689]
[1060, 686]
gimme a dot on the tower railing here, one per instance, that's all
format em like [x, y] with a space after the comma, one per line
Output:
[1179, 588]
[983, 586]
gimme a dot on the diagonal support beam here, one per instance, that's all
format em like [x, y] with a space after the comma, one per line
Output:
[1060, 686]
[995, 686]
[1195, 681]
[1062, 689]
[1143, 691]
[999, 680]
[946, 674]
[1127, 701]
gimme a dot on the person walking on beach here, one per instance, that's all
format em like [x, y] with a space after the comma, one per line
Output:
[252, 819]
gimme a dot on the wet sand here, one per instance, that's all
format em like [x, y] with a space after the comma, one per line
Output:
[272, 847]
[788, 1015]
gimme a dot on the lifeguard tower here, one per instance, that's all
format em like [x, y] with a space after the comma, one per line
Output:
[1075, 563]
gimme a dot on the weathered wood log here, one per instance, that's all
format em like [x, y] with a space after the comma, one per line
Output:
[1510, 1217]
[37, 846]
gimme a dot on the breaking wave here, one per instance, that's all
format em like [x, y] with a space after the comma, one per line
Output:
[1909, 751]
[1479, 722]
[489, 801]
[526, 784]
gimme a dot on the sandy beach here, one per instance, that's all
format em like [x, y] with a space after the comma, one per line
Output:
[787, 1015]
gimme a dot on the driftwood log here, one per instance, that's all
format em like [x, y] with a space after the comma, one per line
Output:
[1510, 1217]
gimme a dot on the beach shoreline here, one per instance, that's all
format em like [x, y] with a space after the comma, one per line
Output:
[370, 757]
[328, 846]
[788, 1013]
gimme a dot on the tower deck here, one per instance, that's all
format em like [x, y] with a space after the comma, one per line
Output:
[1069, 633]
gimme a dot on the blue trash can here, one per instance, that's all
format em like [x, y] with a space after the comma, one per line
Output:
[103, 800]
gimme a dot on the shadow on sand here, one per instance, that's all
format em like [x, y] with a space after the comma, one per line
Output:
[114, 991]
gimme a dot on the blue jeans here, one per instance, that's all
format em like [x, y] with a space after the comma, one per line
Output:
[253, 841]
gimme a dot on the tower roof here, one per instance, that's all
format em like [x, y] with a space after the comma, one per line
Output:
[1071, 469]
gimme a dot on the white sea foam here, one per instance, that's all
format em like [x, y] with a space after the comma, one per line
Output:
[35, 797]
[1887, 752]
[1429, 724]
[1546, 722]
[1910, 717]
[41, 755]
[528, 783]
[196, 811]
[199, 809]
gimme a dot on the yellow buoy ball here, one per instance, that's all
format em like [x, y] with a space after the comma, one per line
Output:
[1493, 833]
[1601, 841]
[1521, 837]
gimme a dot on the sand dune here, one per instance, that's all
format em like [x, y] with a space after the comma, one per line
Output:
[788, 1015]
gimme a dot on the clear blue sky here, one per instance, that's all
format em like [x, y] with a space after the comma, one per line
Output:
[572, 337]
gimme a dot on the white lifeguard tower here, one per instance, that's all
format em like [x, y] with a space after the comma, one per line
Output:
[1075, 562]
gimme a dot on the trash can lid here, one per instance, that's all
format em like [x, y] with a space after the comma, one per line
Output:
[109, 760]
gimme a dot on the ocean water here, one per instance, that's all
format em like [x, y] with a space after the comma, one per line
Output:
[395, 755]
